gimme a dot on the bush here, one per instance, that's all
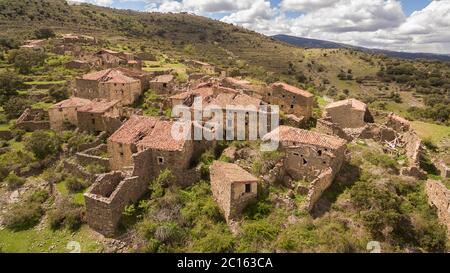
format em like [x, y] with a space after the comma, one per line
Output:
[13, 181]
[43, 144]
[44, 33]
[23, 216]
[67, 214]
[10, 83]
[15, 106]
[25, 59]
[59, 94]
[74, 184]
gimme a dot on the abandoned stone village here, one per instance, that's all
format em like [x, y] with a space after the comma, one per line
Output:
[134, 149]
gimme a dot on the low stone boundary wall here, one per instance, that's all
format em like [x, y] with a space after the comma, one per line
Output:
[317, 187]
[78, 171]
[98, 141]
[91, 156]
[439, 197]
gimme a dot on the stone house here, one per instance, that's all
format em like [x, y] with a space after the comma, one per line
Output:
[66, 49]
[163, 84]
[398, 123]
[310, 156]
[123, 143]
[111, 59]
[79, 39]
[350, 113]
[204, 67]
[34, 44]
[32, 120]
[77, 64]
[98, 116]
[110, 84]
[247, 87]
[290, 99]
[65, 112]
[232, 187]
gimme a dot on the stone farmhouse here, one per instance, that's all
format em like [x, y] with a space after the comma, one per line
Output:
[204, 67]
[79, 39]
[110, 84]
[232, 187]
[100, 116]
[34, 44]
[139, 150]
[32, 120]
[163, 84]
[110, 59]
[291, 100]
[65, 112]
[310, 156]
[349, 113]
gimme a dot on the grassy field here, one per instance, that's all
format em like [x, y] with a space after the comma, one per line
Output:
[38, 241]
[78, 197]
[434, 132]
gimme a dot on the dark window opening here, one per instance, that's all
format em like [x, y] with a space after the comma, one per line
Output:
[296, 154]
[324, 163]
[160, 160]
[93, 121]
[248, 188]
[292, 106]
[319, 152]
[165, 85]
[305, 162]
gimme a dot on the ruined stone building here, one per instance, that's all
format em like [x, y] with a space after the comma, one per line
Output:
[349, 113]
[32, 120]
[398, 123]
[79, 39]
[310, 156]
[163, 84]
[34, 44]
[439, 197]
[78, 64]
[65, 112]
[290, 99]
[247, 87]
[110, 84]
[100, 116]
[139, 151]
[66, 49]
[232, 187]
[204, 67]
[111, 59]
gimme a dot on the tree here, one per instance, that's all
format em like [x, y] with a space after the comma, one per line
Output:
[10, 82]
[59, 94]
[15, 106]
[24, 59]
[43, 144]
[44, 33]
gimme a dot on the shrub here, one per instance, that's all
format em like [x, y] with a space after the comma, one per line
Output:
[67, 214]
[23, 216]
[13, 181]
[43, 144]
[15, 106]
[44, 33]
[59, 94]
[74, 184]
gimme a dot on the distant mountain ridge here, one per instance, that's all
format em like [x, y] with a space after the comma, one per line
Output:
[315, 43]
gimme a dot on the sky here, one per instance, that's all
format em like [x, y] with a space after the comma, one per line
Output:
[402, 25]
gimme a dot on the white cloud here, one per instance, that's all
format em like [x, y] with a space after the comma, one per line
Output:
[306, 5]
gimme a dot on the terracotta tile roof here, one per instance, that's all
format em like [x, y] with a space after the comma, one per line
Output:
[232, 172]
[109, 76]
[160, 138]
[71, 102]
[353, 103]
[163, 78]
[135, 129]
[292, 89]
[300, 136]
[205, 92]
[98, 106]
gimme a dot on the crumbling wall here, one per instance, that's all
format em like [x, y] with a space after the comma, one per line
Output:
[91, 156]
[98, 140]
[329, 128]
[32, 120]
[439, 197]
[107, 198]
[318, 186]
[77, 170]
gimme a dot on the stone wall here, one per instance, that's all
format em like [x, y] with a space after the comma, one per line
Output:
[77, 170]
[98, 140]
[107, 198]
[329, 128]
[6, 135]
[127, 93]
[32, 120]
[318, 187]
[92, 156]
[439, 197]
[289, 103]
[58, 116]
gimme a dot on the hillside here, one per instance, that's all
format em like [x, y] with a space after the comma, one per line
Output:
[396, 84]
[314, 43]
